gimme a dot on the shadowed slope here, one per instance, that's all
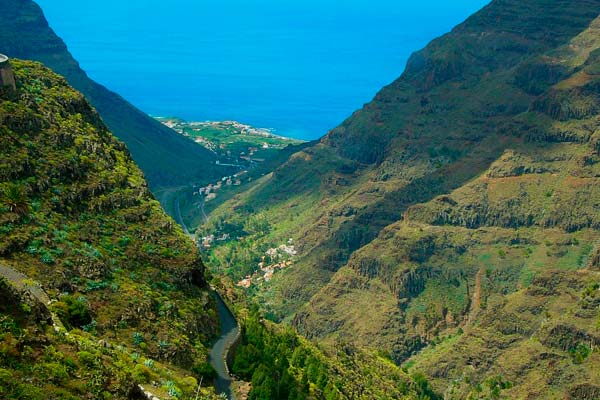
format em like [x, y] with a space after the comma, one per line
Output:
[166, 158]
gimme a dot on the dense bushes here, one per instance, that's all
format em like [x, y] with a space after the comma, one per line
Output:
[263, 358]
[73, 311]
[281, 365]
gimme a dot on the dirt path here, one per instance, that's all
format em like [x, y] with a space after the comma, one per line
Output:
[476, 300]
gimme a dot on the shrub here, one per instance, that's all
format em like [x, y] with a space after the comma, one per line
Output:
[579, 353]
[6, 376]
[46, 257]
[204, 370]
[16, 199]
[88, 359]
[189, 384]
[142, 374]
[138, 338]
[74, 313]
[52, 371]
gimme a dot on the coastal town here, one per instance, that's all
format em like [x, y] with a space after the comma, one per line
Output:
[237, 145]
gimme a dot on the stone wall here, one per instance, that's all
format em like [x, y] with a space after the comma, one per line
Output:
[7, 77]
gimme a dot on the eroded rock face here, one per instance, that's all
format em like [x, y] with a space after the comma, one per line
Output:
[585, 392]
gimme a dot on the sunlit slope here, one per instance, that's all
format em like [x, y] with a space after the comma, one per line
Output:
[119, 296]
[471, 178]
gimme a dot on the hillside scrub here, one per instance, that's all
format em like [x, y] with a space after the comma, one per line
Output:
[77, 217]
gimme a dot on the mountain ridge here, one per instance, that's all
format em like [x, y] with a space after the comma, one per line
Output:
[464, 184]
[166, 158]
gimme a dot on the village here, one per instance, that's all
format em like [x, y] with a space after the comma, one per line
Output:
[237, 144]
[275, 259]
[210, 191]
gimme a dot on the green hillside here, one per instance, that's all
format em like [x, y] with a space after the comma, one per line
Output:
[166, 158]
[100, 290]
[231, 141]
[103, 296]
[453, 222]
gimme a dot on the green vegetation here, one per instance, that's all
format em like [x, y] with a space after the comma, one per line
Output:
[461, 203]
[38, 362]
[523, 343]
[80, 228]
[233, 142]
[282, 365]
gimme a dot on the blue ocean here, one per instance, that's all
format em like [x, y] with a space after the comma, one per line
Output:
[297, 66]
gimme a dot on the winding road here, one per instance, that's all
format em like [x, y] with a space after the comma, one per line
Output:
[179, 218]
[180, 221]
[230, 332]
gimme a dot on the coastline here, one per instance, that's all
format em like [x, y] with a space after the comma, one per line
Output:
[173, 122]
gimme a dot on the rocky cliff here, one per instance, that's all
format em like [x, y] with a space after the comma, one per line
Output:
[458, 208]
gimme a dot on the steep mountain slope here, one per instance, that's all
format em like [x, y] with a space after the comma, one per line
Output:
[79, 226]
[103, 296]
[465, 185]
[166, 158]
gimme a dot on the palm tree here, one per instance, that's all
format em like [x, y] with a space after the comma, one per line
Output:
[16, 199]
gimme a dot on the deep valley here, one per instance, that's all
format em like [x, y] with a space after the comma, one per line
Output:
[443, 242]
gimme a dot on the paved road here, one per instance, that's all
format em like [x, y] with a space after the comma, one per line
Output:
[218, 354]
[230, 330]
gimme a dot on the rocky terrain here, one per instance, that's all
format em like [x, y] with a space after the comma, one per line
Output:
[452, 223]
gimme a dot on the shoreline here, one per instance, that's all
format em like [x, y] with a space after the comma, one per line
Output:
[251, 130]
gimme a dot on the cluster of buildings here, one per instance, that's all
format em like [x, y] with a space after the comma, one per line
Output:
[210, 192]
[242, 128]
[279, 257]
[207, 241]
